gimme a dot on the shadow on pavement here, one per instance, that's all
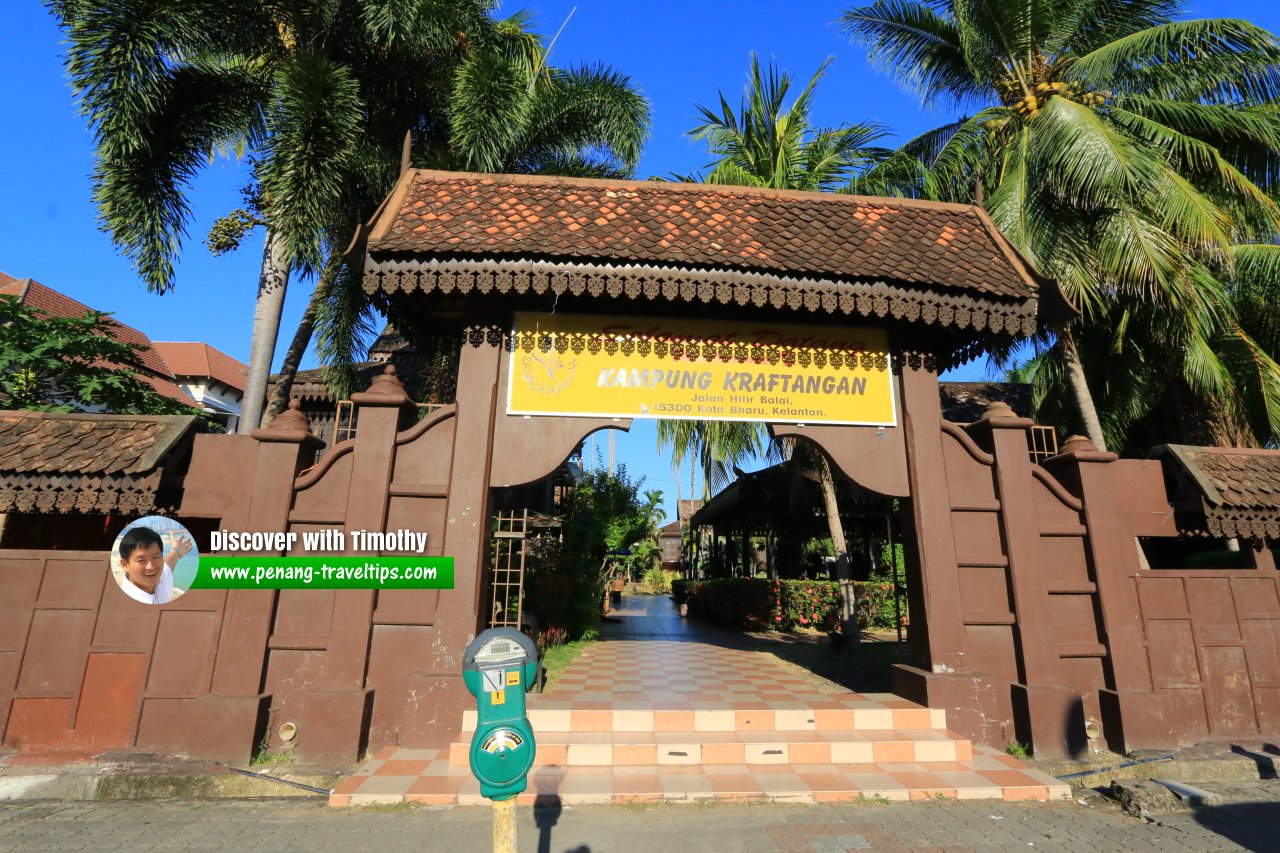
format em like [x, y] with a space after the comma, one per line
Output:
[869, 670]
[546, 814]
[1251, 825]
[1266, 763]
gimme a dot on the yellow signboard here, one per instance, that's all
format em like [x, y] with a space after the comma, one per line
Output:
[628, 367]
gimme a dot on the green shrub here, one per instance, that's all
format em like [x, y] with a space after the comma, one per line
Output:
[744, 603]
[656, 579]
[808, 604]
[784, 605]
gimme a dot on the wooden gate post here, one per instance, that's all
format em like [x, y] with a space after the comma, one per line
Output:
[930, 519]
[246, 483]
[1130, 701]
[338, 710]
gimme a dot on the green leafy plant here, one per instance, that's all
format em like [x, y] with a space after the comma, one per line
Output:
[656, 579]
[1018, 750]
[784, 605]
[66, 364]
[264, 756]
[566, 580]
[873, 800]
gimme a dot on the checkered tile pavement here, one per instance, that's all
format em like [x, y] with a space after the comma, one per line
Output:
[668, 710]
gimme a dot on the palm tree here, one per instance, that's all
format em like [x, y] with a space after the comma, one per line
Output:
[767, 144]
[716, 448]
[1120, 150]
[317, 94]
[1136, 360]
[508, 111]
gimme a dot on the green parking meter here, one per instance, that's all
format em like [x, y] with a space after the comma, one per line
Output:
[498, 667]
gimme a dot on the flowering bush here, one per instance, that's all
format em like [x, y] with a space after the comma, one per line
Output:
[753, 604]
[745, 603]
[809, 604]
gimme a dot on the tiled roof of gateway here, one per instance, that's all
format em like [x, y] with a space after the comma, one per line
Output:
[1241, 488]
[796, 234]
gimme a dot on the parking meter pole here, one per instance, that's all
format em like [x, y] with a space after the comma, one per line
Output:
[504, 826]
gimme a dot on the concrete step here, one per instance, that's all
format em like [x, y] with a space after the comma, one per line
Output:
[840, 712]
[629, 749]
[424, 776]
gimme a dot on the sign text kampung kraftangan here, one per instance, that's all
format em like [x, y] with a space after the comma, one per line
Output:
[574, 364]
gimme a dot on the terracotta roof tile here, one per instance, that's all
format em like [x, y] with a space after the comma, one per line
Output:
[1241, 488]
[200, 359]
[53, 443]
[945, 246]
[1242, 478]
[50, 301]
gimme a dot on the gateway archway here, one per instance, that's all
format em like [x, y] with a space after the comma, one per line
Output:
[511, 259]
[506, 254]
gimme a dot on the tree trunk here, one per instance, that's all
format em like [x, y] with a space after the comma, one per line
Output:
[1080, 388]
[848, 612]
[301, 340]
[1205, 419]
[272, 283]
[292, 358]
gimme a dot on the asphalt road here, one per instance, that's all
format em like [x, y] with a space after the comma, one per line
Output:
[1248, 819]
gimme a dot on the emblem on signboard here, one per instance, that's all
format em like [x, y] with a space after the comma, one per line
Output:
[547, 372]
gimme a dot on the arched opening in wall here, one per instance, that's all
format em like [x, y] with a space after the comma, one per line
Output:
[581, 553]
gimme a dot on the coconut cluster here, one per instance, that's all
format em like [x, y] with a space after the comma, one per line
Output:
[1042, 92]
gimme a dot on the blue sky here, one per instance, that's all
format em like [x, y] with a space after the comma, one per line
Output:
[679, 53]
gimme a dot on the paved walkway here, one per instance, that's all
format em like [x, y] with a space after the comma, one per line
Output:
[1248, 820]
[665, 708]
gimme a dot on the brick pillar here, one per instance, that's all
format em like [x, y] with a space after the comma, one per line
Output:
[440, 696]
[336, 714]
[248, 483]
[1047, 715]
[1129, 705]
[946, 681]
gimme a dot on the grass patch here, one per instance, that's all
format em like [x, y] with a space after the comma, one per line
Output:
[1018, 750]
[556, 658]
[264, 756]
[389, 808]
